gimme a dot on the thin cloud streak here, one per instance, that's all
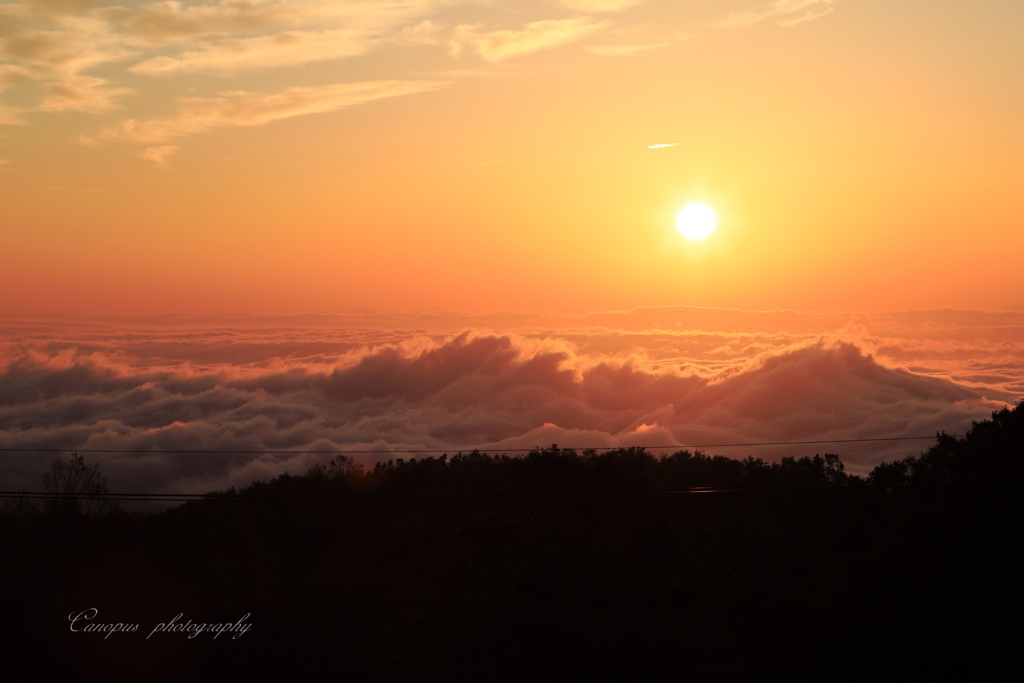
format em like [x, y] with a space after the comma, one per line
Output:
[84, 56]
[496, 46]
[170, 22]
[785, 13]
[165, 23]
[272, 51]
[50, 50]
[240, 108]
[624, 50]
[160, 156]
[424, 33]
[599, 5]
[84, 94]
[53, 52]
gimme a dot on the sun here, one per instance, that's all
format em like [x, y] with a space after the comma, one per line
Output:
[696, 221]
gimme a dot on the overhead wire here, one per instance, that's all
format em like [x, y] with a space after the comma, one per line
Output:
[478, 449]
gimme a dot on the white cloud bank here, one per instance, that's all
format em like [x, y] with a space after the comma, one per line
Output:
[301, 385]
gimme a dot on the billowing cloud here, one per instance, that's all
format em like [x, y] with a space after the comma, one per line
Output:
[784, 12]
[352, 384]
[240, 108]
[496, 46]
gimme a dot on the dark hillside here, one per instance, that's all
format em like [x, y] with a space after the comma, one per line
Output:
[618, 565]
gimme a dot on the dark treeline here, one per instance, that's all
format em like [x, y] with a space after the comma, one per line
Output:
[554, 471]
[557, 564]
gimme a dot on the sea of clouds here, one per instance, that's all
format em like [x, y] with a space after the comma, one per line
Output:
[376, 384]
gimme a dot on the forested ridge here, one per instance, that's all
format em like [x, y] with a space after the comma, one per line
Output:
[557, 564]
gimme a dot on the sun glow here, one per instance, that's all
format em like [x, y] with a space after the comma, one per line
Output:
[696, 221]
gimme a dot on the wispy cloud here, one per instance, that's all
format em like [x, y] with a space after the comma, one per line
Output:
[82, 93]
[61, 7]
[282, 49]
[424, 33]
[54, 53]
[172, 21]
[159, 155]
[624, 50]
[50, 46]
[11, 116]
[68, 46]
[600, 5]
[13, 74]
[784, 12]
[663, 145]
[496, 46]
[87, 55]
[240, 108]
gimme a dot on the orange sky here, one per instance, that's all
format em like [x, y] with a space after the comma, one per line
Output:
[291, 156]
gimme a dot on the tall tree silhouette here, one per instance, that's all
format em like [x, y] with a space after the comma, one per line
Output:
[78, 488]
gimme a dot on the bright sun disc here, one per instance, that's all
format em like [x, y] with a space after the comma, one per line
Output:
[696, 221]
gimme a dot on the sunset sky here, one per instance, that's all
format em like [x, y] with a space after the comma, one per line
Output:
[452, 223]
[295, 156]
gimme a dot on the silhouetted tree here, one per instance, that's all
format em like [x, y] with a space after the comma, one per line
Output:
[78, 488]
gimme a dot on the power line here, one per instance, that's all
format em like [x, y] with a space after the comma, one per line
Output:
[397, 451]
[426, 495]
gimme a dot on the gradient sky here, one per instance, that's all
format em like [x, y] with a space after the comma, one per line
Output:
[447, 224]
[295, 156]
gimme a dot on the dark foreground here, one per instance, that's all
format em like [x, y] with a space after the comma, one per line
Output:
[554, 566]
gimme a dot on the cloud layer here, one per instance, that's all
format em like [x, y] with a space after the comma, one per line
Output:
[349, 384]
